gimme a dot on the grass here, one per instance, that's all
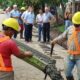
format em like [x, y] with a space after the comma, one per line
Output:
[60, 28]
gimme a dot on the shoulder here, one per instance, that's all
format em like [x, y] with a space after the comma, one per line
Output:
[49, 13]
[26, 13]
[70, 27]
[69, 30]
[11, 42]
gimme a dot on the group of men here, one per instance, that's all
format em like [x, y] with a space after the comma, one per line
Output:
[43, 21]
[26, 18]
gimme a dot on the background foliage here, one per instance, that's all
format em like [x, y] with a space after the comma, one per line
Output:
[36, 3]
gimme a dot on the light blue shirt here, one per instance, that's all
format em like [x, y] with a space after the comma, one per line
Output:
[14, 13]
[47, 17]
[29, 17]
[24, 13]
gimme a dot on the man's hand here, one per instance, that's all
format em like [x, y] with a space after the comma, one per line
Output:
[28, 54]
[26, 22]
[53, 42]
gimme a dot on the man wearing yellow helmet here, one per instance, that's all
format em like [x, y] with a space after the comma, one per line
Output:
[9, 47]
[72, 35]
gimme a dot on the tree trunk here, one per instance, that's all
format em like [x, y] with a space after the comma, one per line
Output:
[63, 8]
[56, 15]
[73, 6]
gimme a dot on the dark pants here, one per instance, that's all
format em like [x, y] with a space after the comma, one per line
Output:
[21, 31]
[28, 32]
[46, 32]
[40, 31]
[15, 35]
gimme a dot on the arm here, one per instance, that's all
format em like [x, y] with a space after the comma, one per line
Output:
[25, 18]
[34, 22]
[11, 14]
[22, 16]
[18, 52]
[60, 38]
[24, 54]
[52, 18]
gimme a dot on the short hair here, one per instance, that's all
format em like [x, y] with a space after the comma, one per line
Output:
[14, 5]
[46, 8]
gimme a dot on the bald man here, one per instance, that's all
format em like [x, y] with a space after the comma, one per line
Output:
[47, 17]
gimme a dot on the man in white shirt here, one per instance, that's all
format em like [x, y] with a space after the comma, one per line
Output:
[28, 20]
[25, 12]
[39, 21]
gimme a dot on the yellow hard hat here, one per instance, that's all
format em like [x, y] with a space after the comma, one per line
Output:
[76, 18]
[12, 23]
[22, 8]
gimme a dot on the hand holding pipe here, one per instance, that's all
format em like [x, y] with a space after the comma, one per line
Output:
[52, 46]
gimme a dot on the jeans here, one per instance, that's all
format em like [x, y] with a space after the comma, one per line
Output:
[70, 65]
[67, 24]
[40, 31]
